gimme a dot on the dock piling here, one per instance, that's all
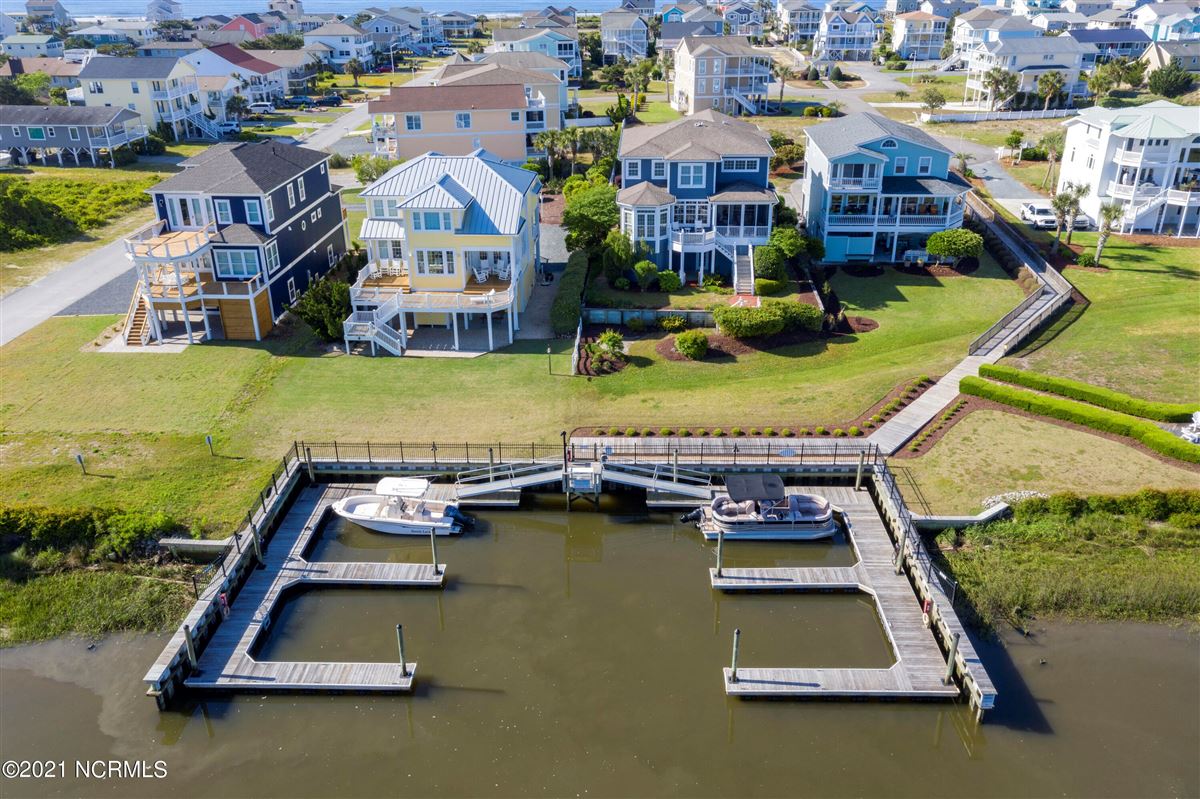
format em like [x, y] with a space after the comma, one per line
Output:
[257, 544]
[312, 478]
[720, 550]
[737, 635]
[400, 644]
[433, 547]
[950, 660]
[862, 456]
[191, 645]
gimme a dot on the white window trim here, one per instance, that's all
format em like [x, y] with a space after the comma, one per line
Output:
[746, 164]
[257, 212]
[658, 169]
[291, 195]
[691, 167]
[270, 209]
[900, 166]
[329, 255]
[633, 169]
[412, 122]
[244, 256]
[223, 211]
[291, 289]
[460, 117]
[449, 262]
[300, 186]
[925, 165]
[271, 256]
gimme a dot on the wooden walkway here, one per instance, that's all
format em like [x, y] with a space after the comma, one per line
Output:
[920, 665]
[226, 663]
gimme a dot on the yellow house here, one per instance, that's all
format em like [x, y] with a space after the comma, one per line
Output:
[463, 107]
[161, 89]
[452, 240]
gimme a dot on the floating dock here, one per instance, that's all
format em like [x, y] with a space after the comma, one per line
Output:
[226, 663]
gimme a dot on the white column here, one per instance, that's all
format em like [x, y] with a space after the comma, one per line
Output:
[187, 322]
[491, 345]
[509, 317]
[254, 318]
[403, 330]
[454, 327]
[204, 316]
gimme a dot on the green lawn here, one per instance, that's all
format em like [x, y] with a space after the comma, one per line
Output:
[143, 428]
[1141, 334]
[1032, 174]
[992, 134]
[657, 111]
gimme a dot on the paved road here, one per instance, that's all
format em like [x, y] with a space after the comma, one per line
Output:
[329, 135]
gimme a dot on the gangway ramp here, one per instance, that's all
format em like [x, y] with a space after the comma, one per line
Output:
[660, 477]
[506, 477]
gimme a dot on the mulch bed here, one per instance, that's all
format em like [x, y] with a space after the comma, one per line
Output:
[720, 345]
[861, 324]
[980, 404]
[897, 392]
[592, 367]
[965, 266]
[553, 206]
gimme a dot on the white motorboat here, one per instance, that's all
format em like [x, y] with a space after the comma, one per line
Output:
[401, 506]
[757, 507]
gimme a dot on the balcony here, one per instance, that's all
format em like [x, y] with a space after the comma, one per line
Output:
[1148, 155]
[388, 282]
[753, 233]
[115, 138]
[154, 243]
[944, 221]
[1128, 191]
[1186, 197]
[855, 183]
[853, 220]
[693, 241]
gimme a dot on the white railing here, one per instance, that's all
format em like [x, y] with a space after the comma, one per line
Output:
[683, 239]
[923, 219]
[453, 301]
[1156, 154]
[141, 243]
[1188, 197]
[990, 116]
[854, 219]
[855, 183]
[1129, 191]
[743, 231]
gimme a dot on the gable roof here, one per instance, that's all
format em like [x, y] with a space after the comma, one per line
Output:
[64, 115]
[103, 67]
[1039, 44]
[722, 45]
[620, 18]
[1106, 35]
[497, 190]
[524, 60]
[242, 168]
[244, 59]
[30, 38]
[473, 73]
[706, 136]
[846, 135]
[449, 98]
[54, 67]
[285, 58]
[521, 34]
[980, 14]
[336, 29]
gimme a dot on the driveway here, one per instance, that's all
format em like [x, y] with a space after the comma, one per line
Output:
[333, 132]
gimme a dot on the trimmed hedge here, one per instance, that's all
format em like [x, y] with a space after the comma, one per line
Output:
[773, 316]
[1100, 419]
[1149, 503]
[1095, 395]
[568, 302]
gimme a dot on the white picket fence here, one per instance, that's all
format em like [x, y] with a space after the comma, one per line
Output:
[989, 116]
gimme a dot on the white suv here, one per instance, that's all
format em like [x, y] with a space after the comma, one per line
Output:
[262, 108]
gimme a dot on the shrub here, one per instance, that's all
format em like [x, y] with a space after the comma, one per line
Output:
[1034, 154]
[369, 168]
[683, 431]
[1150, 503]
[612, 342]
[152, 145]
[672, 324]
[1148, 433]
[616, 257]
[814, 74]
[821, 431]
[812, 111]
[1085, 259]
[647, 272]
[669, 281]
[99, 532]
[613, 431]
[338, 161]
[718, 432]
[835, 74]
[956, 243]
[803, 431]
[623, 284]
[855, 430]
[631, 432]
[1171, 80]
[794, 315]
[665, 431]
[692, 344]
[765, 287]
[788, 241]
[768, 431]
[741, 322]
[754, 431]
[839, 432]
[786, 432]
[590, 216]
[702, 432]
[1095, 395]
[768, 262]
[826, 111]
[564, 313]
[647, 432]
[735, 431]
[324, 307]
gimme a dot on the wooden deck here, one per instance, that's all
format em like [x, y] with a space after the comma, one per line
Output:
[226, 663]
[402, 284]
[920, 665]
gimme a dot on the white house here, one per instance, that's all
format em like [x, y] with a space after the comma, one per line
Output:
[724, 73]
[345, 41]
[845, 36]
[561, 43]
[624, 34]
[799, 19]
[32, 45]
[262, 81]
[1029, 59]
[1168, 22]
[919, 36]
[1145, 158]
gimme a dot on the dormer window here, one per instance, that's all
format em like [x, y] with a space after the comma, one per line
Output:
[888, 144]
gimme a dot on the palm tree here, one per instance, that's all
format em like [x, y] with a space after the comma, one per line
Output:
[835, 106]
[237, 106]
[1000, 84]
[1075, 193]
[1049, 86]
[354, 68]
[1060, 205]
[1100, 82]
[1110, 215]
[569, 138]
[963, 160]
[548, 140]
[783, 75]
[1052, 143]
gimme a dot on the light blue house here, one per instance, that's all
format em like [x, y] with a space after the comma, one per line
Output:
[696, 194]
[874, 188]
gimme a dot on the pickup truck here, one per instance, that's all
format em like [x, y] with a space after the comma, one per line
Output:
[1041, 215]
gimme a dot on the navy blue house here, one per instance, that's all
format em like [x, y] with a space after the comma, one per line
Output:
[696, 194]
[241, 234]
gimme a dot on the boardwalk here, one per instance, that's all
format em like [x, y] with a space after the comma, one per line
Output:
[920, 665]
[226, 663]
[895, 432]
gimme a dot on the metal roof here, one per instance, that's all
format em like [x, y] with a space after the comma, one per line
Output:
[498, 190]
[381, 229]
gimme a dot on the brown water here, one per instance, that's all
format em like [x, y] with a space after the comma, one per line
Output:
[580, 654]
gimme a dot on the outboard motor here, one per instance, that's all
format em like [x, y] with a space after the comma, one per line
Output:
[694, 516]
[467, 521]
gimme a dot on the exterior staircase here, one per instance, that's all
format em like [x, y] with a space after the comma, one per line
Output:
[137, 322]
[750, 106]
[206, 126]
[743, 269]
[374, 327]
[1135, 212]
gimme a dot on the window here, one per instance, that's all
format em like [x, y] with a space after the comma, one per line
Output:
[51, 132]
[312, 216]
[691, 175]
[633, 170]
[291, 196]
[435, 262]
[272, 251]
[329, 255]
[691, 213]
[740, 164]
[253, 212]
[322, 169]
[73, 133]
[270, 210]
[901, 165]
[645, 224]
[703, 64]
[223, 212]
[237, 264]
[412, 121]
[701, 87]
[397, 249]
[37, 134]
[658, 169]
[16, 131]
[924, 165]
[291, 287]
[514, 116]
[462, 120]
[300, 186]
[133, 87]
[888, 144]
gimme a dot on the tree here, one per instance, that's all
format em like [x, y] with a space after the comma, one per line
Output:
[788, 241]
[1049, 86]
[1075, 193]
[13, 94]
[932, 100]
[963, 160]
[787, 155]
[78, 43]
[835, 73]
[369, 168]
[1171, 80]
[768, 262]
[237, 106]
[1000, 85]
[813, 75]
[549, 141]
[354, 68]
[1064, 207]
[901, 96]
[957, 243]
[1131, 73]
[1052, 143]
[474, 48]
[276, 41]
[121, 49]
[1101, 81]
[324, 307]
[619, 111]
[647, 273]
[835, 106]
[58, 96]
[571, 139]
[36, 83]
[617, 256]
[1110, 215]
[640, 74]
[1013, 142]
[783, 75]
[590, 215]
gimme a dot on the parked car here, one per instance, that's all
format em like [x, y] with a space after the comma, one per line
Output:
[298, 101]
[1040, 215]
[383, 68]
[229, 127]
[330, 99]
[262, 108]
[442, 51]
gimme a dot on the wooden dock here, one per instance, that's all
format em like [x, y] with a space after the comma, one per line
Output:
[226, 663]
[920, 666]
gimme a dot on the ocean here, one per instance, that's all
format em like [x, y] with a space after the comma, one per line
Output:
[195, 8]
